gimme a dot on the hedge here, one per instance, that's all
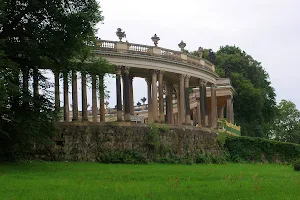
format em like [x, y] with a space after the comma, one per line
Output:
[250, 149]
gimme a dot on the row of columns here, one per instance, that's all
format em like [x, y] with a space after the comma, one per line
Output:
[156, 114]
[156, 111]
[75, 116]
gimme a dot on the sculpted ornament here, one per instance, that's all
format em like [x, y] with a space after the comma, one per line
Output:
[200, 51]
[121, 34]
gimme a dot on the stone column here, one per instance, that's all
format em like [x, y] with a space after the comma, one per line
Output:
[206, 108]
[131, 95]
[119, 95]
[94, 99]
[228, 109]
[56, 88]
[178, 117]
[101, 94]
[198, 111]
[126, 95]
[202, 89]
[232, 113]
[150, 109]
[66, 97]
[195, 116]
[170, 103]
[187, 101]
[154, 96]
[221, 112]
[35, 82]
[160, 97]
[209, 124]
[182, 99]
[84, 97]
[214, 115]
[74, 96]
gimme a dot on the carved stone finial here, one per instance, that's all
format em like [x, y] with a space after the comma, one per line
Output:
[181, 45]
[211, 56]
[121, 34]
[200, 51]
[155, 39]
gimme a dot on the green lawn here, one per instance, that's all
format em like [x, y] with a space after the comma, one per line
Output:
[153, 181]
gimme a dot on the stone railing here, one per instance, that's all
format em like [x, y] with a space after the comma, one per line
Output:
[106, 45]
[223, 81]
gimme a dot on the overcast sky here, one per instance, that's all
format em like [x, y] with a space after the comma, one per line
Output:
[268, 30]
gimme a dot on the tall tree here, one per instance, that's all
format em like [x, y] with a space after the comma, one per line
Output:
[38, 34]
[286, 125]
[255, 104]
[254, 98]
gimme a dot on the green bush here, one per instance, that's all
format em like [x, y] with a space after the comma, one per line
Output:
[297, 165]
[250, 149]
[127, 157]
[202, 159]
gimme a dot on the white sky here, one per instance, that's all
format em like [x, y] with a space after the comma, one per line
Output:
[268, 30]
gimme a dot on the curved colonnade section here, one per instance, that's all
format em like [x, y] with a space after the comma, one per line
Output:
[180, 87]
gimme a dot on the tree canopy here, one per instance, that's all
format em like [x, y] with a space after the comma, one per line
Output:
[254, 99]
[40, 34]
[286, 127]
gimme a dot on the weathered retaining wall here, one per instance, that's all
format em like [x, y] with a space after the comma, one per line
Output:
[86, 142]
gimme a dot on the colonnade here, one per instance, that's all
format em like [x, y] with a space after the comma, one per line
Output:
[156, 99]
[158, 111]
[75, 112]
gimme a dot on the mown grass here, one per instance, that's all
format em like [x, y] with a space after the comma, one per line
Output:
[64, 180]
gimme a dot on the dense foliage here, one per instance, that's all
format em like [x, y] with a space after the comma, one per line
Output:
[254, 98]
[296, 165]
[286, 125]
[250, 149]
[34, 35]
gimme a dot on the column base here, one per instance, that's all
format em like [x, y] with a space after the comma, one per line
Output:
[188, 120]
[75, 120]
[127, 117]
[119, 116]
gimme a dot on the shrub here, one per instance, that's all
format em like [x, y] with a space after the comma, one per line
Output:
[297, 165]
[202, 159]
[250, 149]
[127, 157]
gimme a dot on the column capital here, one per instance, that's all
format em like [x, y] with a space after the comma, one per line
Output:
[126, 69]
[213, 86]
[118, 69]
[202, 82]
[187, 77]
[154, 71]
[160, 72]
[181, 76]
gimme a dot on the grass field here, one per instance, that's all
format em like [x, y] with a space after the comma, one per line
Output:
[153, 181]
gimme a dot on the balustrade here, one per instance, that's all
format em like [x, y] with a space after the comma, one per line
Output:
[156, 51]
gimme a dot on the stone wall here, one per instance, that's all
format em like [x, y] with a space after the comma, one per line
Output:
[86, 142]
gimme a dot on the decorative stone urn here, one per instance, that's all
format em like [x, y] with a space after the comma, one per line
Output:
[121, 34]
[181, 45]
[155, 39]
